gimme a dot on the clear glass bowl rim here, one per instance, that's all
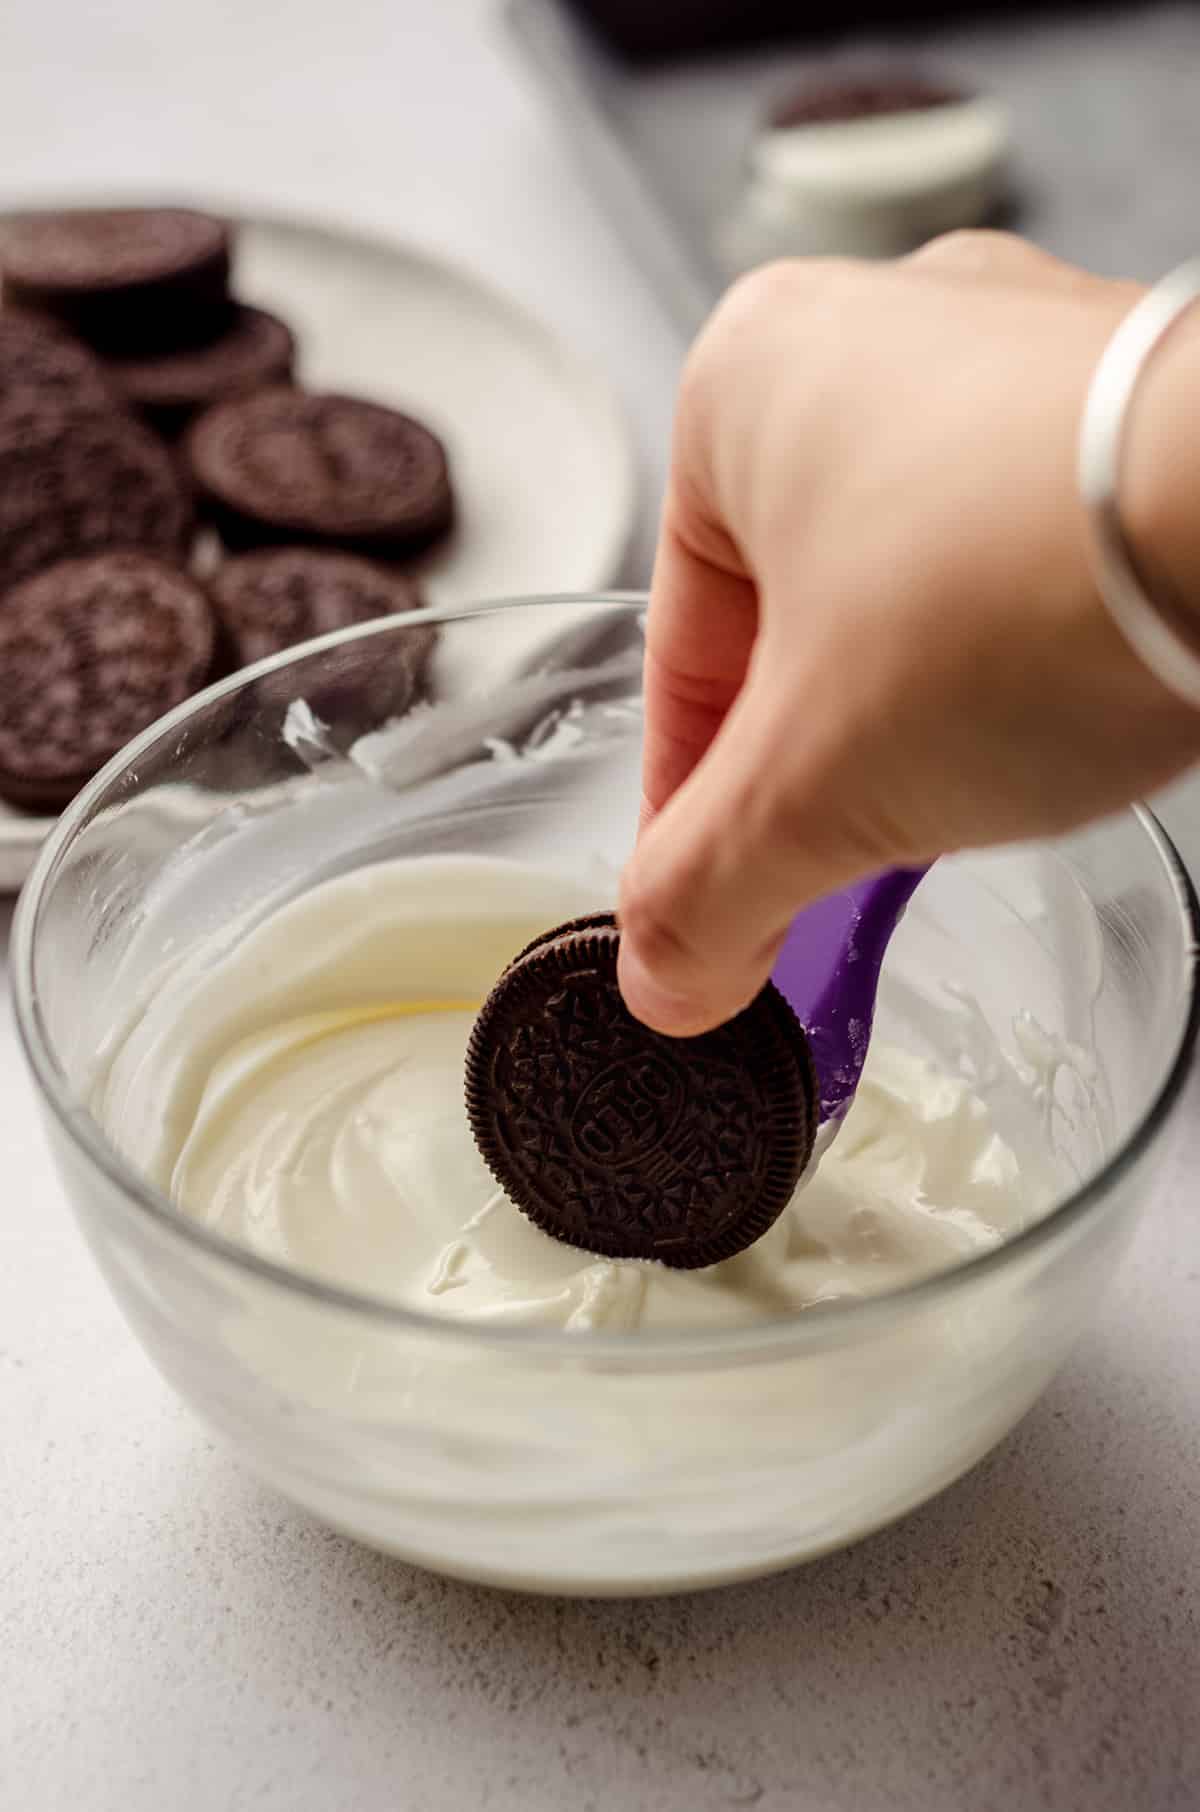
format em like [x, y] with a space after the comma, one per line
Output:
[825, 1325]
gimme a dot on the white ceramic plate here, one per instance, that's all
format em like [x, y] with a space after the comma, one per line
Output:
[540, 454]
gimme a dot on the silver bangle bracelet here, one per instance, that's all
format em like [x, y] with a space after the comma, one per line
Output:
[1169, 655]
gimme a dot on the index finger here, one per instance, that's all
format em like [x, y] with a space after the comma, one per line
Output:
[700, 630]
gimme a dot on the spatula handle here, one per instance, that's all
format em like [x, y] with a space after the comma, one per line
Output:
[828, 971]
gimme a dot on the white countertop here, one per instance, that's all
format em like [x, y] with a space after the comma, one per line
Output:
[171, 1636]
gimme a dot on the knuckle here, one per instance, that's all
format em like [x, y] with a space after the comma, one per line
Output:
[974, 250]
[779, 280]
[754, 330]
[777, 290]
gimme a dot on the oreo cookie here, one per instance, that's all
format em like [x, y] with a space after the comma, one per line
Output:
[72, 486]
[588, 921]
[254, 350]
[867, 163]
[285, 466]
[45, 373]
[272, 600]
[621, 1141]
[122, 278]
[91, 652]
[828, 100]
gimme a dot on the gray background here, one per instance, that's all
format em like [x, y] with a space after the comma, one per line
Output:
[1106, 129]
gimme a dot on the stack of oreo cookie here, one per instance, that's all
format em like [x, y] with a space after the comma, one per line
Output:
[146, 413]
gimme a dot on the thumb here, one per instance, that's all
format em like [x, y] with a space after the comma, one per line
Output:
[716, 877]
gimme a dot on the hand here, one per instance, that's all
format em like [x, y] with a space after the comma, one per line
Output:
[873, 637]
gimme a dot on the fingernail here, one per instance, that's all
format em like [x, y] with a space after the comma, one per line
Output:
[662, 1009]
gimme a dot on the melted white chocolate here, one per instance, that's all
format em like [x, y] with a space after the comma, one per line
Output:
[303, 1094]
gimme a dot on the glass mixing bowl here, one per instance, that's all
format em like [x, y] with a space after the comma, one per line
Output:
[588, 1462]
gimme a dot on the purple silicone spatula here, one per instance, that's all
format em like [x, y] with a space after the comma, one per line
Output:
[828, 972]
